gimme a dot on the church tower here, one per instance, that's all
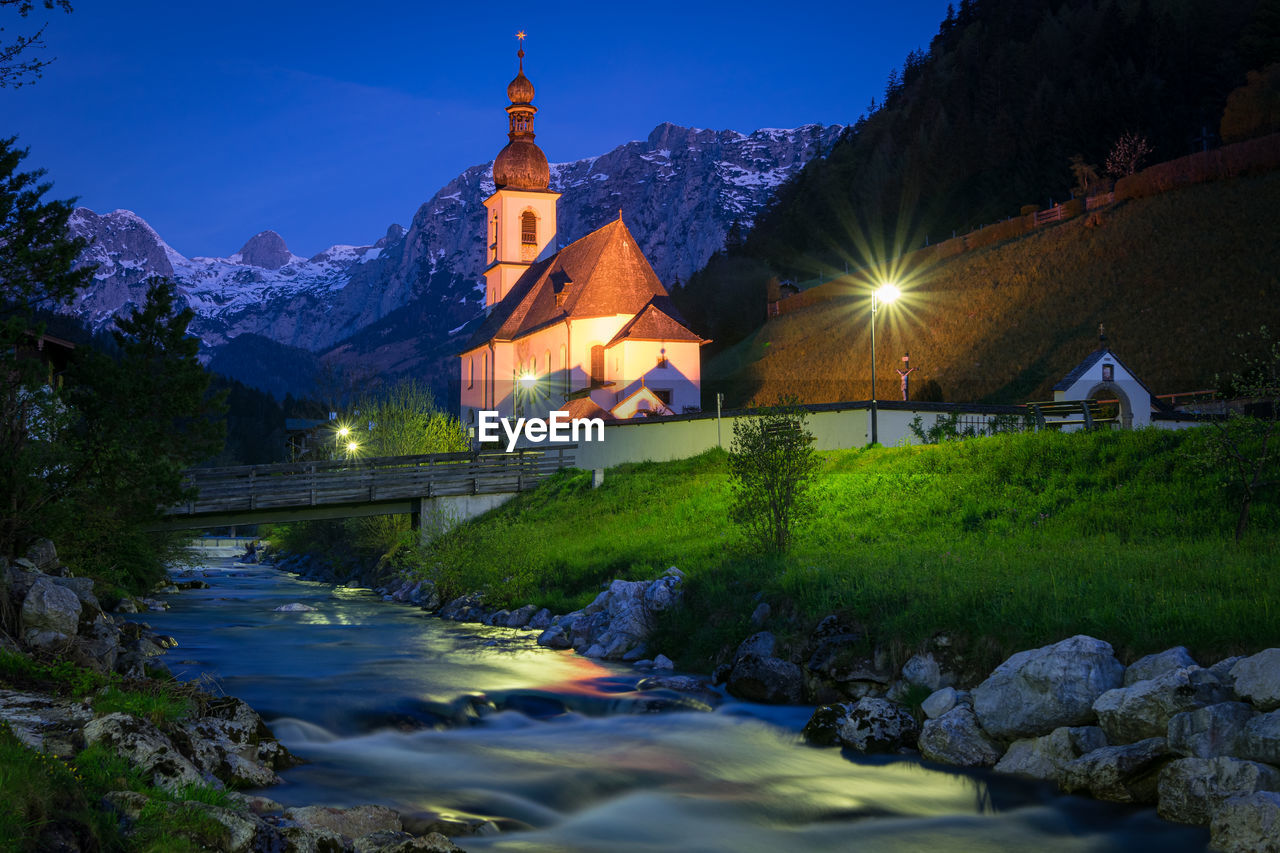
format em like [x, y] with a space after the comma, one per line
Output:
[521, 213]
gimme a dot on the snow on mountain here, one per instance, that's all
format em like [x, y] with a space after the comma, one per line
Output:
[679, 191]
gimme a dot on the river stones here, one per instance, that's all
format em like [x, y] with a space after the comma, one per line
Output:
[1248, 824]
[146, 747]
[353, 822]
[940, 702]
[1260, 740]
[923, 670]
[878, 725]
[1257, 678]
[1036, 691]
[50, 614]
[1143, 710]
[294, 607]
[1121, 774]
[957, 738]
[1192, 789]
[1158, 664]
[1045, 757]
[770, 680]
[1209, 731]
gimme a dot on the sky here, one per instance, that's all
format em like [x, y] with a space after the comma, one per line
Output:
[327, 122]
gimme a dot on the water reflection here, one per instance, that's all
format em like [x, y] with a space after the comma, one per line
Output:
[395, 707]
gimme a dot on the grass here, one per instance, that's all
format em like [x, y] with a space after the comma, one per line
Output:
[1174, 278]
[1003, 543]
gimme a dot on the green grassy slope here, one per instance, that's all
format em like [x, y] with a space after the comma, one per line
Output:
[1174, 278]
[1007, 543]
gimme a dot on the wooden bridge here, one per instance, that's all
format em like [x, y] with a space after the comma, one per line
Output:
[450, 486]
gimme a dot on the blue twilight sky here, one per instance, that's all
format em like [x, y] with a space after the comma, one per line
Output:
[326, 122]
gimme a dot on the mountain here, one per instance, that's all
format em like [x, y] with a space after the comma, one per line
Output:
[398, 303]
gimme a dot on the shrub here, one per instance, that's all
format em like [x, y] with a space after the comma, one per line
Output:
[771, 464]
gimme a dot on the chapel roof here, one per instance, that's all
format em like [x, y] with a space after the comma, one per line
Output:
[656, 321]
[600, 275]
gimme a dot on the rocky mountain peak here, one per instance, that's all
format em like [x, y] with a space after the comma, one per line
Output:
[394, 233]
[265, 250]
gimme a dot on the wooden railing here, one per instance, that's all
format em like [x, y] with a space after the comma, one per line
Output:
[250, 488]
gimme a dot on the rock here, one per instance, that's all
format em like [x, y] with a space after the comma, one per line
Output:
[1045, 757]
[127, 604]
[1248, 824]
[99, 644]
[266, 250]
[1143, 710]
[457, 609]
[770, 680]
[294, 607]
[1192, 789]
[498, 618]
[663, 662]
[44, 723]
[1035, 692]
[823, 728]
[43, 555]
[760, 615]
[521, 616]
[1210, 731]
[622, 616]
[146, 747]
[1158, 664]
[1257, 679]
[878, 725]
[555, 638]
[255, 803]
[1222, 669]
[49, 607]
[353, 822]
[184, 586]
[939, 702]
[387, 841]
[83, 590]
[763, 644]
[923, 671]
[957, 738]
[1121, 774]
[541, 620]
[1260, 740]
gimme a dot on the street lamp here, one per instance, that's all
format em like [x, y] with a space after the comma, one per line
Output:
[886, 294]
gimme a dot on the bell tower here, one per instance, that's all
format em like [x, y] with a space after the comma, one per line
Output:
[521, 213]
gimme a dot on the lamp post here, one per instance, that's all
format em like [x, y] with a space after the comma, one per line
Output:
[887, 293]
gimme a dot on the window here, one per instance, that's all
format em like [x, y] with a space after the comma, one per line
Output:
[663, 394]
[529, 228]
[471, 372]
[484, 377]
[597, 365]
[548, 363]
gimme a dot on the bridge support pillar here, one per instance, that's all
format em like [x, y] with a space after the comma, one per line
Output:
[436, 516]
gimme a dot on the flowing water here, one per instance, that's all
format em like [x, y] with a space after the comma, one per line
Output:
[392, 706]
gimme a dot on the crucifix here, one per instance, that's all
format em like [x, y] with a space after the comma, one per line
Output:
[905, 371]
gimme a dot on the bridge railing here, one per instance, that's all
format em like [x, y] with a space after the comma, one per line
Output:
[376, 479]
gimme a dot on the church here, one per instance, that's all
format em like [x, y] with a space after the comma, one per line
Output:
[588, 329]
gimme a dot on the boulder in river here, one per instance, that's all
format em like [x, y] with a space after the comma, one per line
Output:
[1121, 774]
[1192, 789]
[878, 725]
[1209, 731]
[294, 607]
[1143, 710]
[1034, 692]
[1257, 679]
[1045, 757]
[957, 738]
[1158, 664]
[1248, 824]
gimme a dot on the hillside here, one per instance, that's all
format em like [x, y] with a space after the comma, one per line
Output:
[1174, 277]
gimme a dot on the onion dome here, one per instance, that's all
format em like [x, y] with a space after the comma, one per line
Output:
[521, 164]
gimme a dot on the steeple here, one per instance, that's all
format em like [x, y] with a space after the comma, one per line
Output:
[521, 164]
[522, 210]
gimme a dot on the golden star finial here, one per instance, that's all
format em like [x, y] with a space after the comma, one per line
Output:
[520, 35]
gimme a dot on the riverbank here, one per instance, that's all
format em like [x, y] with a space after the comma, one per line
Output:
[100, 749]
[1001, 543]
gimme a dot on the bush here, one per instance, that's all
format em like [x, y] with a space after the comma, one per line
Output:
[771, 464]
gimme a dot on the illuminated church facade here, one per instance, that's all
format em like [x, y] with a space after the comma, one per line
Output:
[587, 329]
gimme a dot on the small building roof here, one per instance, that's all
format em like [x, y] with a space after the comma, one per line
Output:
[600, 275]
[1090, 360]
[656, 321]
[585, 407]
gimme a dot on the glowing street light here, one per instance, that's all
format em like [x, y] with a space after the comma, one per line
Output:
[886, 294]
[352, 448]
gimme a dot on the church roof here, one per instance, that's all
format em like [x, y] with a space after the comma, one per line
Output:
[655, 322]
[585, 407]
[600, 275]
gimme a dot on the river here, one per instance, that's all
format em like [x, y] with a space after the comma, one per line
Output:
[392, 706]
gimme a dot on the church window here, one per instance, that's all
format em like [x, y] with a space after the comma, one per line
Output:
[471, 372]
[597, 365]
[548, 360]
[529, 227]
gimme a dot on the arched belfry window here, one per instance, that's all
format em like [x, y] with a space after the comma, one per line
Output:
[529, 228]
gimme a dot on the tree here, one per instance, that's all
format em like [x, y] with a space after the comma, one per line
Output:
[14, 70]
[1127, 155]
[143, 417]
[36, 259]
[771, 467]
[1240, 449]
[1086, 175]
[1254, 108]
